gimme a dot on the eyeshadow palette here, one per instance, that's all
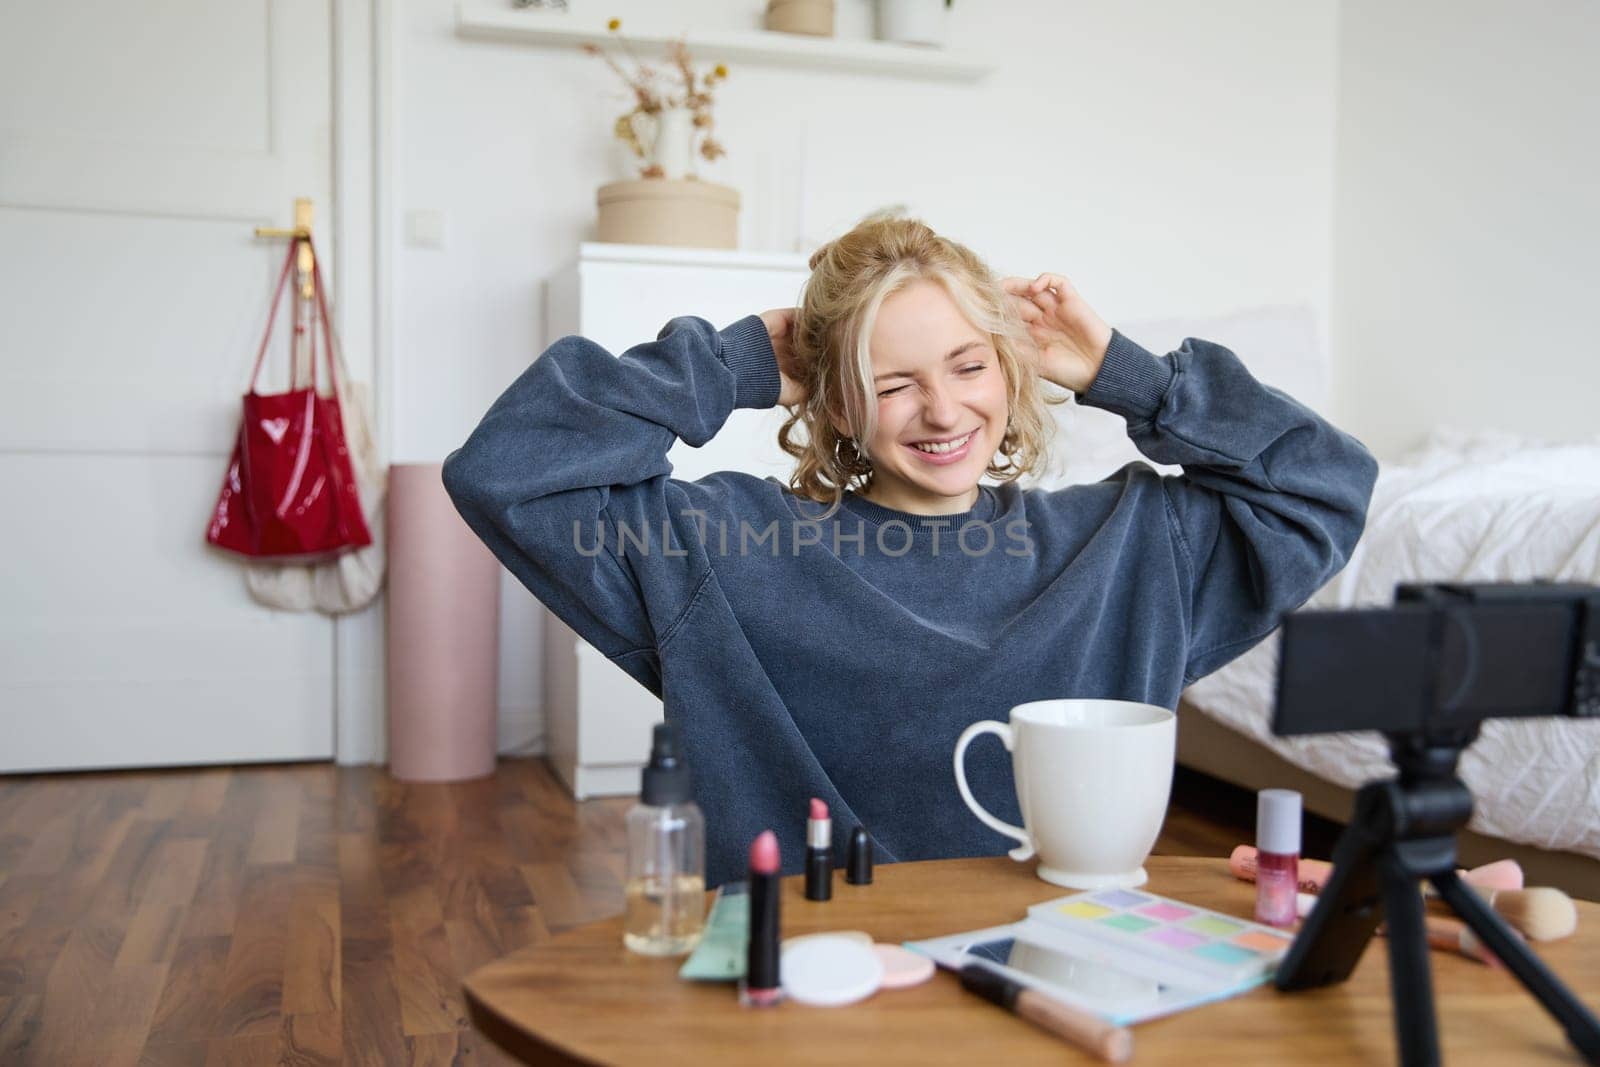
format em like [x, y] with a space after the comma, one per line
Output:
[1233, 950]
[1124, 954]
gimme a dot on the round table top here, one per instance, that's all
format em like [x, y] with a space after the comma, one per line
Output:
[582, 997]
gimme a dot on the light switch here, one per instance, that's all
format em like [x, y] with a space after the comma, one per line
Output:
[425, 229]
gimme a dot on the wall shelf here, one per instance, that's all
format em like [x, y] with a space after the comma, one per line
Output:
[482, 22]
[661, 255]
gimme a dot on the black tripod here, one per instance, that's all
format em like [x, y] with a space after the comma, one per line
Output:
[1403, 830]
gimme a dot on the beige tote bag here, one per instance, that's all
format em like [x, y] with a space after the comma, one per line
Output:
[350, 581]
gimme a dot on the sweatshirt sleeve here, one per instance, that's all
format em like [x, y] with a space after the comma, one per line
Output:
[1272, 498]
[577, 447]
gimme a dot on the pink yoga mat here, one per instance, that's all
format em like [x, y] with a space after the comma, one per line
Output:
[444, 634]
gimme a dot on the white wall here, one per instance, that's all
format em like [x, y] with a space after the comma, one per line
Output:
[1173, 158]
[1468, 218]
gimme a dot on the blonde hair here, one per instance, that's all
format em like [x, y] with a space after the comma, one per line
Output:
[851, 277]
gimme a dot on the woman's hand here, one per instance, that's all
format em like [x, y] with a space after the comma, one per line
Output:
[780, 328]
[1069, 339]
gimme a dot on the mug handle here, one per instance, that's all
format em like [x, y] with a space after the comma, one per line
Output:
[1003, 731]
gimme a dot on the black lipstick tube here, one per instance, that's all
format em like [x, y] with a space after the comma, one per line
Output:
[761, 986]
[819, 859]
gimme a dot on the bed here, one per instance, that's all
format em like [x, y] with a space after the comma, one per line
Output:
[1475, 506]
[1484, 507]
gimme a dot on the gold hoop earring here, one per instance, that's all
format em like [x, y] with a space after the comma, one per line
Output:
[855, 463]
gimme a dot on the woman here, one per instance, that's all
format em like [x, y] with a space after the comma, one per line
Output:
[832, 638]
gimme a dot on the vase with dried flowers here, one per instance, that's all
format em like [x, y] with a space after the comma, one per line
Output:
[671, 109]
[668, 125]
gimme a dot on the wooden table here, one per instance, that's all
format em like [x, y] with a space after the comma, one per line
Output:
[582, 997]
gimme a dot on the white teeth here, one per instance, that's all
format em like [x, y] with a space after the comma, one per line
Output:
[950, 446]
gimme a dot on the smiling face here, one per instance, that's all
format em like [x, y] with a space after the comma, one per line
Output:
[941, 403]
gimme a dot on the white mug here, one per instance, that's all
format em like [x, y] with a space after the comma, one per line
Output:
[1093, 778]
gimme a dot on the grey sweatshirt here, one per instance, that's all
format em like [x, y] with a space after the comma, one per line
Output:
[841, 659]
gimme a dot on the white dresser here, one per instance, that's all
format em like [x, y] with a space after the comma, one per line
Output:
[598, 719]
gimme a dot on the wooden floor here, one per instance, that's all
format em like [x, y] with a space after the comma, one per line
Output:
[310, 914]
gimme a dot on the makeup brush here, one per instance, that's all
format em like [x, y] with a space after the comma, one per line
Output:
[1444, 932]
[1501, 874]
[1453, 935]
[1471, 946]
[1541, 914]
[1088, 1031]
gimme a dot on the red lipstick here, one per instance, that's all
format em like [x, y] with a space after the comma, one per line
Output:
[819, 853]
[760, 987]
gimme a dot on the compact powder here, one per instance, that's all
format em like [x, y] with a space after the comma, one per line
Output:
[902, 967]
[830, 971]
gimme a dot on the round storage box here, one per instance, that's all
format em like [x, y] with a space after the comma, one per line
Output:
[656, 211]
[813, 17]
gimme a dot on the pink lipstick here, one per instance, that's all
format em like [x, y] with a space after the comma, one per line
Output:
[819, 853]
[760, 987]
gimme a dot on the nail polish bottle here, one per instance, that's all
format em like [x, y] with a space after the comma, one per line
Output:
[1277, 856]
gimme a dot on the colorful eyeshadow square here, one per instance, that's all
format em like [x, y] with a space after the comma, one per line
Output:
[1221, 953]
[1166, 913]
[1262, 942]
[1211, 927]
[1120, 898]
[1082, 909]
[1175, 938]
[1131, 923]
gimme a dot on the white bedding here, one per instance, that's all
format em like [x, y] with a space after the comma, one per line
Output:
[1482, 507]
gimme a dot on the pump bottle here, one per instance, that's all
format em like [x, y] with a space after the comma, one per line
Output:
[665, 889]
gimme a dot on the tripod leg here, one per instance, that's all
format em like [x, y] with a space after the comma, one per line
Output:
[1410, 971]
[1340, 927]
[1582, 1029]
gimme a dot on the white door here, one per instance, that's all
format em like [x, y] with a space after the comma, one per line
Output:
[141, 142]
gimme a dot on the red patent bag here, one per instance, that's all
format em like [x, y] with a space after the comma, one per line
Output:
[290, 491]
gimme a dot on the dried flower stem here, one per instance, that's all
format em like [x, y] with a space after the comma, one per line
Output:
[649, 99]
